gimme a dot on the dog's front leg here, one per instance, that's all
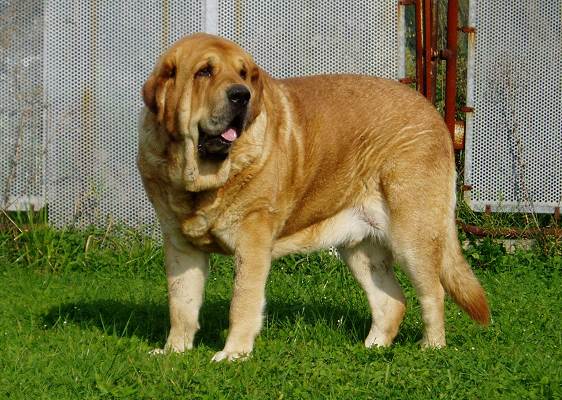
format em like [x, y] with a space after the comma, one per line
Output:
[186, 270]
[253, 259]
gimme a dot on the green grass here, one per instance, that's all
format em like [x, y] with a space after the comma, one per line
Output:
[81, 311]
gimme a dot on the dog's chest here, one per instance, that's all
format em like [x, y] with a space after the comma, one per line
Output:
[211, 228]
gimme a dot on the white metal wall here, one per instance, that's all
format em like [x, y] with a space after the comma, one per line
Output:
[22, 138]
[97, 55]
[296, 37]
[514, 138]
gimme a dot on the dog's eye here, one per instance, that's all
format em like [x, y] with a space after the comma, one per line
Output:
[243, 74]
[206, 71]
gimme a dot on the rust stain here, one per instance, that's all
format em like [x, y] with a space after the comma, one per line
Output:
[88, 126]
[87, 103]
[458, 135]
[238, 28]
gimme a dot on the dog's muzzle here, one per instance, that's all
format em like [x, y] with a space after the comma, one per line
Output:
[216, 140]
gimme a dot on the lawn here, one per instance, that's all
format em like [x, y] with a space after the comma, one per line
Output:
[81, 311]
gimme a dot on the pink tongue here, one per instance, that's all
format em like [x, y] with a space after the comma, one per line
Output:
[230, 135]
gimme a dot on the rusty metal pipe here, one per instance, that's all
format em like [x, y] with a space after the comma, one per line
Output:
[430, 45]
[510, 233]
[430, 58]
[434, 59]
[450, 56]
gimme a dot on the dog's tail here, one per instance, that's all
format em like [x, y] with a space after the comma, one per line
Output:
[460, 283]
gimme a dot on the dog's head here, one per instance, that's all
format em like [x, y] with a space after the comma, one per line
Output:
[205, 89]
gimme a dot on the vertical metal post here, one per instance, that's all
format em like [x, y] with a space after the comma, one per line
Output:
[450, 55]
[401, 41]
[210, 16]
[428, 56]
[426, 48]
[430, 45]
[165, 24]
[420, 71]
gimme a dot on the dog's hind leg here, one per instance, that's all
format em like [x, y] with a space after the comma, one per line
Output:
[421, 259]
[421, 206]
[371, 264]
[423, 237]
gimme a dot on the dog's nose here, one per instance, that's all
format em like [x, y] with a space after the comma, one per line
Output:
[238, 95]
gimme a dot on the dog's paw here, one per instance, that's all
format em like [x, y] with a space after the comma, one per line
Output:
[437, 343]
[157, 352]
[229, 356]
[378, 338]
[377, 342]
[169, 348]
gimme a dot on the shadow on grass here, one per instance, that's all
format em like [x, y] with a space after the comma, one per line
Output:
[147, 321]
[150, 321]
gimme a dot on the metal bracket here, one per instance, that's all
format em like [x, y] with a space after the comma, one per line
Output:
[467, 29]
[407, 80]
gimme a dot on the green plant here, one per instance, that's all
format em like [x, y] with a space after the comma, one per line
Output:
[79, 319]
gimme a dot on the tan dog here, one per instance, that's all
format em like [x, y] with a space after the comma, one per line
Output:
[239, 163]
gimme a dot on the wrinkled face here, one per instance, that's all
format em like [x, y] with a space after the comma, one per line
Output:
[205, 88]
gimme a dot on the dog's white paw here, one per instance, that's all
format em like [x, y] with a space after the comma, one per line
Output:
[436, 343]
[377, 342]
[169, 349]
[377, 338]
[157, 352]
[229, 356]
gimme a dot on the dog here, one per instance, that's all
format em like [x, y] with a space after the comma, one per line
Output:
[238, 163]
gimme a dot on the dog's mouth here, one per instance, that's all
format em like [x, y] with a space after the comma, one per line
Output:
[216, 144]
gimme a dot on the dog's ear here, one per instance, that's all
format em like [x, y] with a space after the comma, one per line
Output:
[257, 77]
[149, 94]
[159, 95]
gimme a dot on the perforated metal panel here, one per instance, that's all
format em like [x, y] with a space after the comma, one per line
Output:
[98, 55]
[92, 58]
[22, 142]
[514, 138]
[295, 37]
